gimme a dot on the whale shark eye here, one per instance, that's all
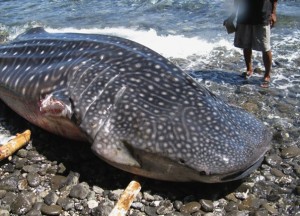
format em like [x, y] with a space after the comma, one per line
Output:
[182, 161]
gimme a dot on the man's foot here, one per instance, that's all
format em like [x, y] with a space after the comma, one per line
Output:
[266, 82]
[247, 74]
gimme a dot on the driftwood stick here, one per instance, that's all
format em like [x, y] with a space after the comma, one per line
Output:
[7, 149]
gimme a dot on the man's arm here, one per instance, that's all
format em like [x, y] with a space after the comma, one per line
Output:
[273, 14]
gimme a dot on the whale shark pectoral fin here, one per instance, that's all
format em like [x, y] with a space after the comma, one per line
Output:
[115, 153]
[58, 107]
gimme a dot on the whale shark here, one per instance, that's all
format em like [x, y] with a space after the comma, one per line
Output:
[139, 111]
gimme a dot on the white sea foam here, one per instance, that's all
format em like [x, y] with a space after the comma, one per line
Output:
[175, 46]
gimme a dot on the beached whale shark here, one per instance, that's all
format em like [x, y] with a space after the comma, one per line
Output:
[141, 113]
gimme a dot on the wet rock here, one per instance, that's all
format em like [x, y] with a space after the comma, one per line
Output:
[9, 198]
[102, 210]
[34, 168]
[151, 211]
[20, 163]
[2, 193]
[273, 160]
[51, 198]
[9, 183]
[277, 172]
[231, 206]
[270, 209]
[61, 168]
[207, 205]
[22, 153]
[34, 212]
[4, 212]
[148, 197]
[177, 205]
[165, 207]
[137, 205]
[261, 212]
[250, 203]
[8, 168]
[115, 194]
[71, 180]
[98, 190]
[66, 203]
[22, 184]
[51, 210]
[80, 191]
[33, 179]
[57, 181]
[290, 152]
[190, 208]
[92, 204]
[23, 203]
[250, 107]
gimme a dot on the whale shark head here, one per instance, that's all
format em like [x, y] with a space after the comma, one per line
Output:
[172, 128]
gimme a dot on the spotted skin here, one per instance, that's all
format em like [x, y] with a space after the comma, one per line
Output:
[142, 113]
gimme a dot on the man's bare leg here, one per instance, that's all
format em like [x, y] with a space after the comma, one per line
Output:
[248, 61]
[267, 58]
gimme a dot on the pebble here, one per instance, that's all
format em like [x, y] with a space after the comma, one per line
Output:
[80, 191]
[190, 208]
[22, 153]
[273, 160]
[9, 183]
[2, 193]
[66, 203]
[4, 212]
[207, 205]
[137, 205]
[33, 179]
[270, 209]
[22, 184]
[51, 198]
[276, 172]
[165, 207]
[57, 181]
[290, 152]
[98, 190]
[92, 204]
[115, 194]
[22, 204]
[51, 210]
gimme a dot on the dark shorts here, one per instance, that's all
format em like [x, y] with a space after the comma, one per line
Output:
[256, 37]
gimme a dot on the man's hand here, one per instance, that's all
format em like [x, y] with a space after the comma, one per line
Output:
[273, 19]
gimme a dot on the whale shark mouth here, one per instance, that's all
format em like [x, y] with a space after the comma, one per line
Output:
[244, 173]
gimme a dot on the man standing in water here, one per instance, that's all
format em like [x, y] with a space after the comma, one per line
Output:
[255, 18]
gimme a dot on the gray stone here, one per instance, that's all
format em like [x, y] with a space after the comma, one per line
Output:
[2, 193]
[21, 205]
[51, 210]
[4, 212]
[290, 152]
[33, 179]
[80, 191]
[190, 207]
[57, 181]
[115, 194]
[98, 190]
[51, 198]
[9, 183]
[9, 198]
[92, 204]
[66, 203]
[34, 212]
[207, 205]
[22, 153]
[165, 207]
[22, 184]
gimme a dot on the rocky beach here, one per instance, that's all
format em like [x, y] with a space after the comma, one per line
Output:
[56, 176]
